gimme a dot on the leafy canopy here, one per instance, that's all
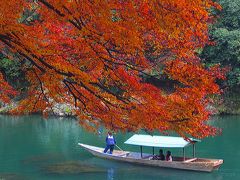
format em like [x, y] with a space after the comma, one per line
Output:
[92, 55]
[226, 35]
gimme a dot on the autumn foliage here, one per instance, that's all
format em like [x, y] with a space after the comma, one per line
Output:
[93, 54]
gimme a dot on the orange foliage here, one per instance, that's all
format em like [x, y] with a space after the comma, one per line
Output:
[90, 54]
[6, 91]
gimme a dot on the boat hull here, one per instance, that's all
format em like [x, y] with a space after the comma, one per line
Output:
[196, 164]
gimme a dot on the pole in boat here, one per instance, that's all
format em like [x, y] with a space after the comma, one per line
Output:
[194, 150]
[183, 154]
[118, 147]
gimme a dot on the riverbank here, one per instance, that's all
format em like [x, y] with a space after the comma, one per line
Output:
[63, 110]
[228, 103]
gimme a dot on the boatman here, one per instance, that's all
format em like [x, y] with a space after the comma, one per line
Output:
[110, 142]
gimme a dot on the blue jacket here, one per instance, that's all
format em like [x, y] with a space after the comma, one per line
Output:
[110, 140]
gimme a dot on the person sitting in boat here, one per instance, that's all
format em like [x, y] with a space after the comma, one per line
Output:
[160, 156]
[168, 156]
[110, 142]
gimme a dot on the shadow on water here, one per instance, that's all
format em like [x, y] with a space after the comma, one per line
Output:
[71, 167]
[43, 159]
[12, 176]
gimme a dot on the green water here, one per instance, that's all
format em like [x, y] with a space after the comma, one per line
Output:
[34, 148]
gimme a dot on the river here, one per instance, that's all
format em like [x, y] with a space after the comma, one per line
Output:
[32, 147]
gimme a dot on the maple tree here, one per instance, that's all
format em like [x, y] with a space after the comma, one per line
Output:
[91, 54]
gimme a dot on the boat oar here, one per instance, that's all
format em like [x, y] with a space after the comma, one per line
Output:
[118, 147]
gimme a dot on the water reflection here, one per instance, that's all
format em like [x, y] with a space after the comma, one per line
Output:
[9, 121]
[110, 174]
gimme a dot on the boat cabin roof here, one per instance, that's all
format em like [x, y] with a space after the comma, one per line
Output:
[159, 141]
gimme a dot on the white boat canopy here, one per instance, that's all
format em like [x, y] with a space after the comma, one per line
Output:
[159, 141]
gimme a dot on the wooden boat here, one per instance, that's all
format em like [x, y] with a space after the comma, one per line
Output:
[194, 164]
